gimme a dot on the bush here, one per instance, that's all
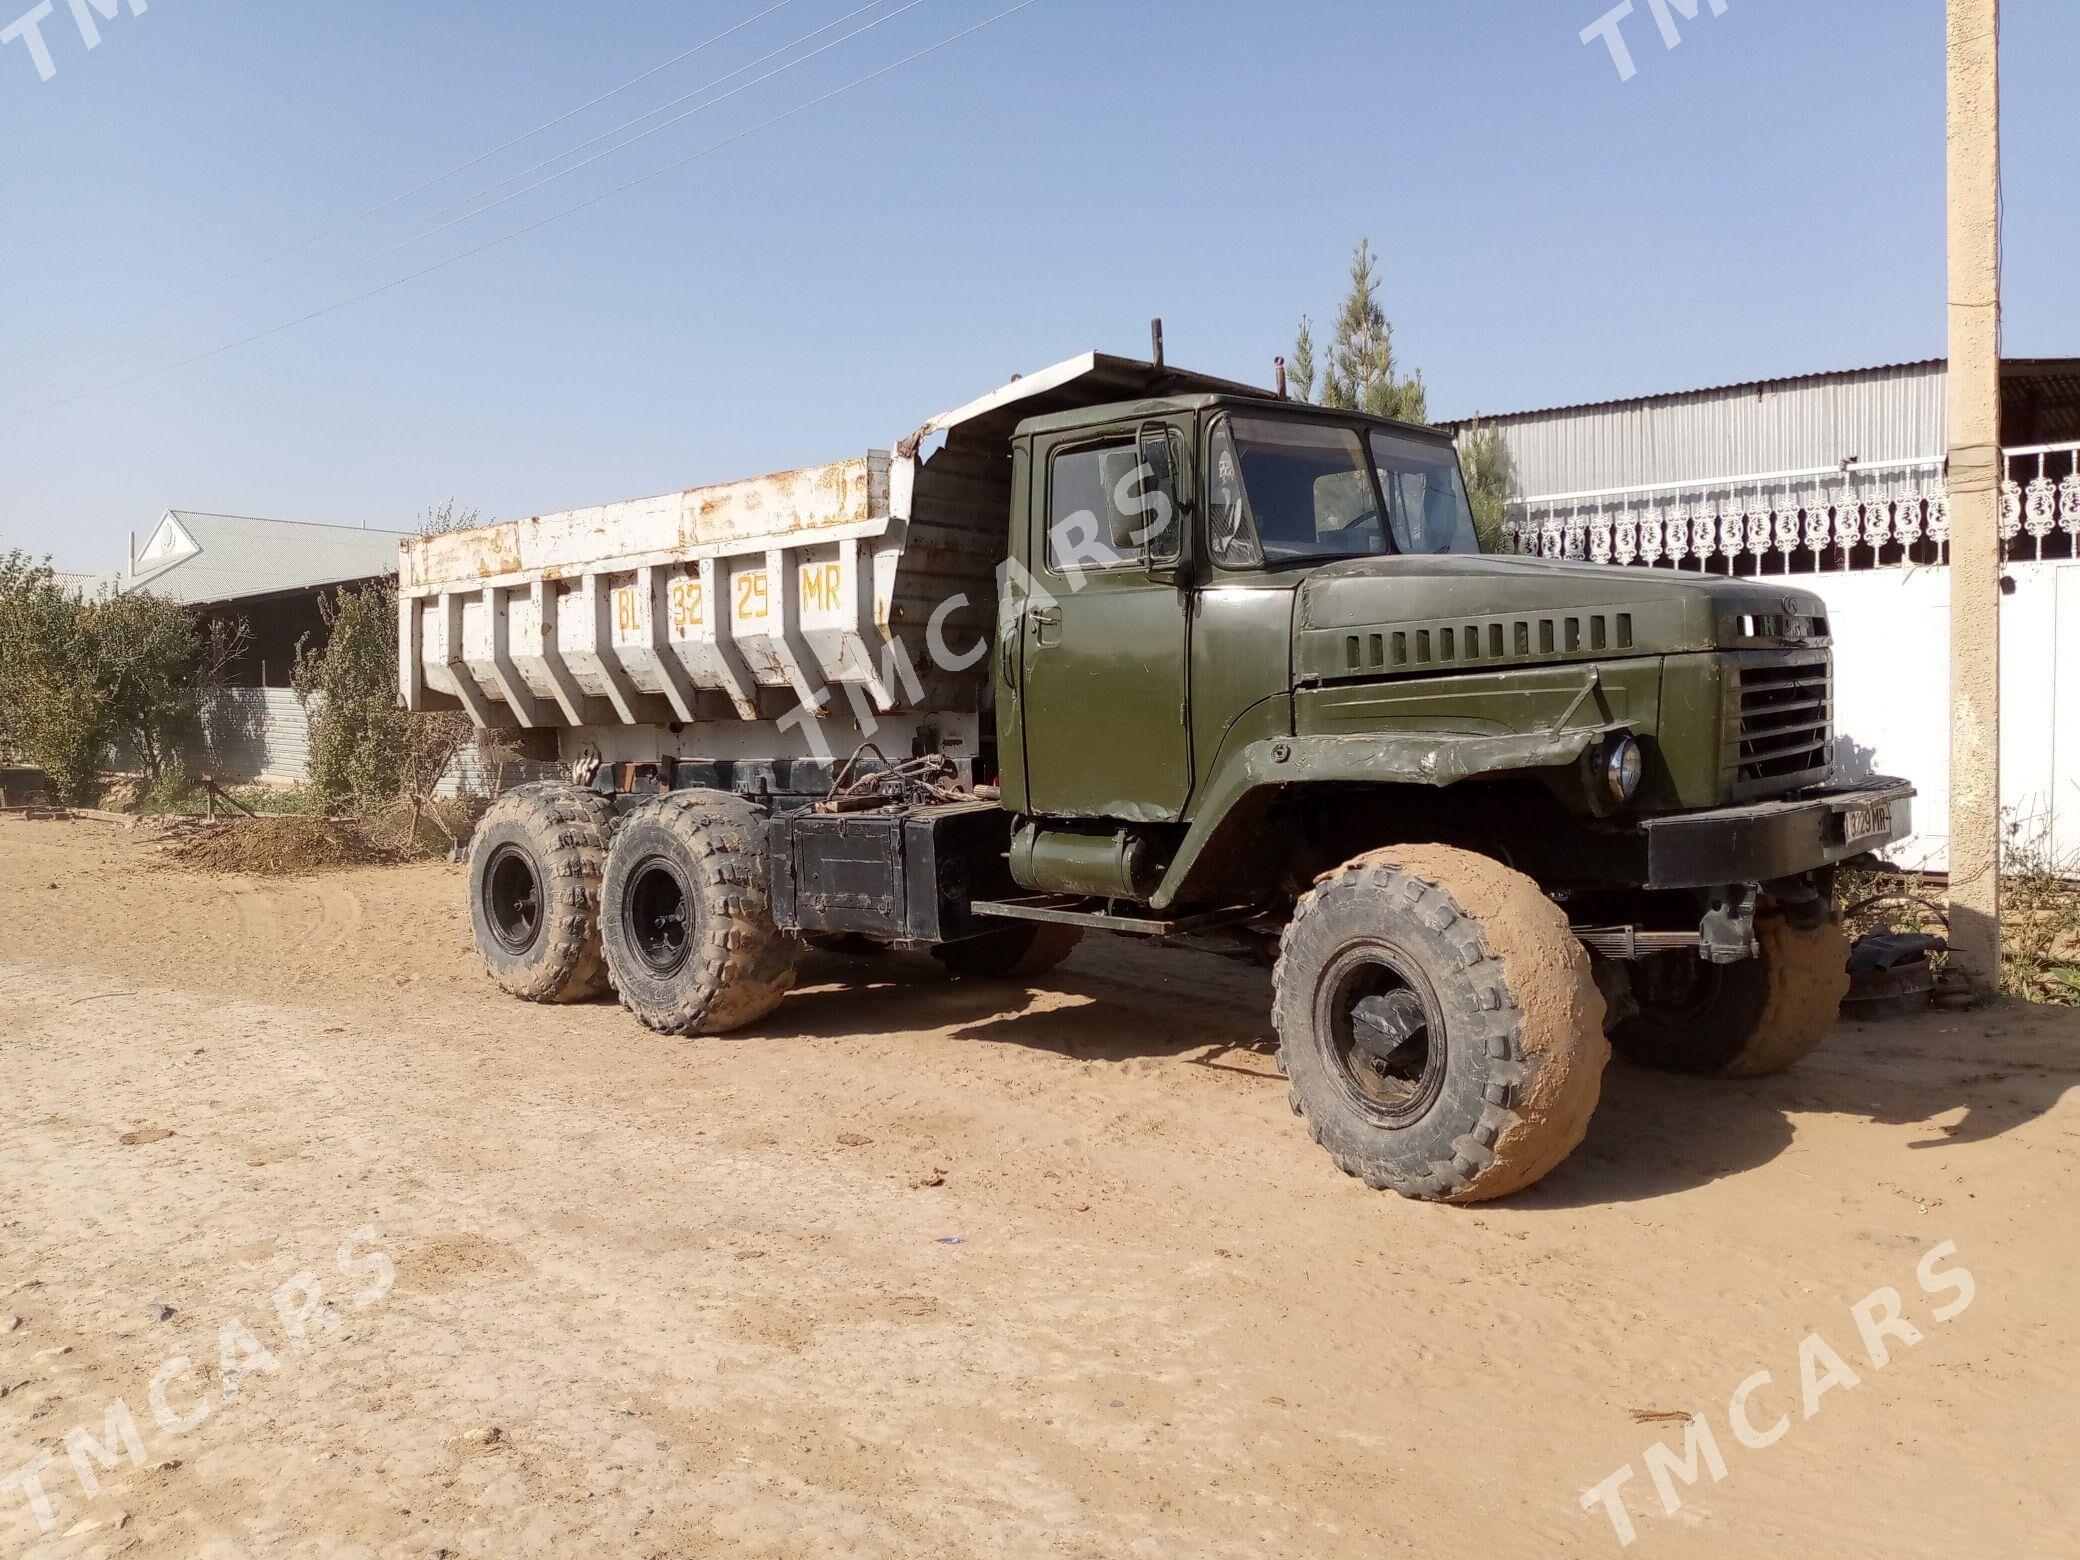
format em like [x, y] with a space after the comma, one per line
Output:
[50, 712]
[366, 753]
[2040, 920]
[79, 678]
[2040, 914]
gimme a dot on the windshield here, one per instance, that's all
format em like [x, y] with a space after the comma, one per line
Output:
[1426, 496]
[1306, 490]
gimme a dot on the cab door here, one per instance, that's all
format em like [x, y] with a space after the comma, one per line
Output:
[1104, 634]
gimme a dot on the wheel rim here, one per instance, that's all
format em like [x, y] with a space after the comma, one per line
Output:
[658, 915]
[1677, 987]
[1382, 1032]
[513, 899]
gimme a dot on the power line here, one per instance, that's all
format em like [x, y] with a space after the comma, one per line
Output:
[439, 178]
[127, 352]
[520, 232]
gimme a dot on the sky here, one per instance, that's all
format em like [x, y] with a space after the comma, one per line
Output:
[1764, 198]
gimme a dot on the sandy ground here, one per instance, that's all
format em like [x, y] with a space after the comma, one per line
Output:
[625, 1296]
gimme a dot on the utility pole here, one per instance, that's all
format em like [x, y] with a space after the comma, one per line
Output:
[1973, 123]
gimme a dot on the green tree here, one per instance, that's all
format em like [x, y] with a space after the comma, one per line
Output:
[51, 711]
[1491, 481]
[83, 681]
[1303, 360]
[158, 667]
[448, 516]
[366, 752]
[1361, 374]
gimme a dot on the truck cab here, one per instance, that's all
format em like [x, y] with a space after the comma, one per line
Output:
[1239, 632]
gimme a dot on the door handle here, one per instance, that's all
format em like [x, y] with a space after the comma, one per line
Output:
[1044, 620]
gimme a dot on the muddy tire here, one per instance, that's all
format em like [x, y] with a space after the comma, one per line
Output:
[686, 918]
[1744, 1020]
[1018, 952]
[1439, 1024]
[535, 864]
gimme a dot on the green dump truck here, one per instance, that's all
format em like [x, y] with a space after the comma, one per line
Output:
[1120, 648]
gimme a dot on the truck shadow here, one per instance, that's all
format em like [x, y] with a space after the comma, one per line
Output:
[1961, 1078]
[1109, 1004]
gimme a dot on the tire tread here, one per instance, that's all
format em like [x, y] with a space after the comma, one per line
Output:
[1546, 1047]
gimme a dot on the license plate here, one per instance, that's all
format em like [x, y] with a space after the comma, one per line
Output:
[1867, 821]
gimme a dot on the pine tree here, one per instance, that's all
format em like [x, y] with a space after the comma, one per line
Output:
[1491, 481]
[1361, 374]
[1303, 360]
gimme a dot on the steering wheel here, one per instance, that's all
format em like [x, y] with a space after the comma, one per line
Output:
[1367, 517]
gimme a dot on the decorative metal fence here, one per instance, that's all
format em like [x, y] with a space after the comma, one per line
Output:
[1881, 515]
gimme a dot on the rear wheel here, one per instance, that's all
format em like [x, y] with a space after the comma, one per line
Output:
[686, 919]
[534, 876]
[1019, 951]
[1439, 1024]
[1744, 1020]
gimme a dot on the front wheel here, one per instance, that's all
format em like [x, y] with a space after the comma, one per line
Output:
[1744, 1020]
[1439, 1023]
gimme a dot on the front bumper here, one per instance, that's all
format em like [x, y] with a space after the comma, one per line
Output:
[1759, 841]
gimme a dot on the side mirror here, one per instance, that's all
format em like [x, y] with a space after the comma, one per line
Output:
[1165, 501]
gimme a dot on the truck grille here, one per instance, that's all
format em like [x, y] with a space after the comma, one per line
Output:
[1781, 719]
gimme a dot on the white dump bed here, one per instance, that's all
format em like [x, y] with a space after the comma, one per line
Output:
[632, 612]
[749, 600]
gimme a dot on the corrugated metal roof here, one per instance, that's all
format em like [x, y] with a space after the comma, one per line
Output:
[1888, 413]
[200, 558]
[2042, 370]
[1881, 414]
[1698, 390]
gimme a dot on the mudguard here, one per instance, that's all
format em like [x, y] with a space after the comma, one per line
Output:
[1431, 758]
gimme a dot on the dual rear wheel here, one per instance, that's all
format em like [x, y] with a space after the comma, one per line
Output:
[686, 917]
[668, 904]
[535, 869]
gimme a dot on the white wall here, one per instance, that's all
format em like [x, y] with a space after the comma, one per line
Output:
[263, 735]
[1892, 694]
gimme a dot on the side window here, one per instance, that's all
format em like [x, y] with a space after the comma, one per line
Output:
[1233, 538]
[1102, 512]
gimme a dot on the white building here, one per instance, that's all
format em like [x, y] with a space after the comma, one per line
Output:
[1837, 479]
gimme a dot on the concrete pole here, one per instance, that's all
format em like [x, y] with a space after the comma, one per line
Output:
[1973, 121]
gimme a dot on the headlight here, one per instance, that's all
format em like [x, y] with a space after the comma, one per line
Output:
[1621, 768]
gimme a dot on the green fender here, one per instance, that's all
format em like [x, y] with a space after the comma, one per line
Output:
[1432, 758]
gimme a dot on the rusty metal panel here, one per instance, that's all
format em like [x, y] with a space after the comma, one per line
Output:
[750, 515]
[661, 609]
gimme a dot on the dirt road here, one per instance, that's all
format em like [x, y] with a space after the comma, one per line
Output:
[925, 1268]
